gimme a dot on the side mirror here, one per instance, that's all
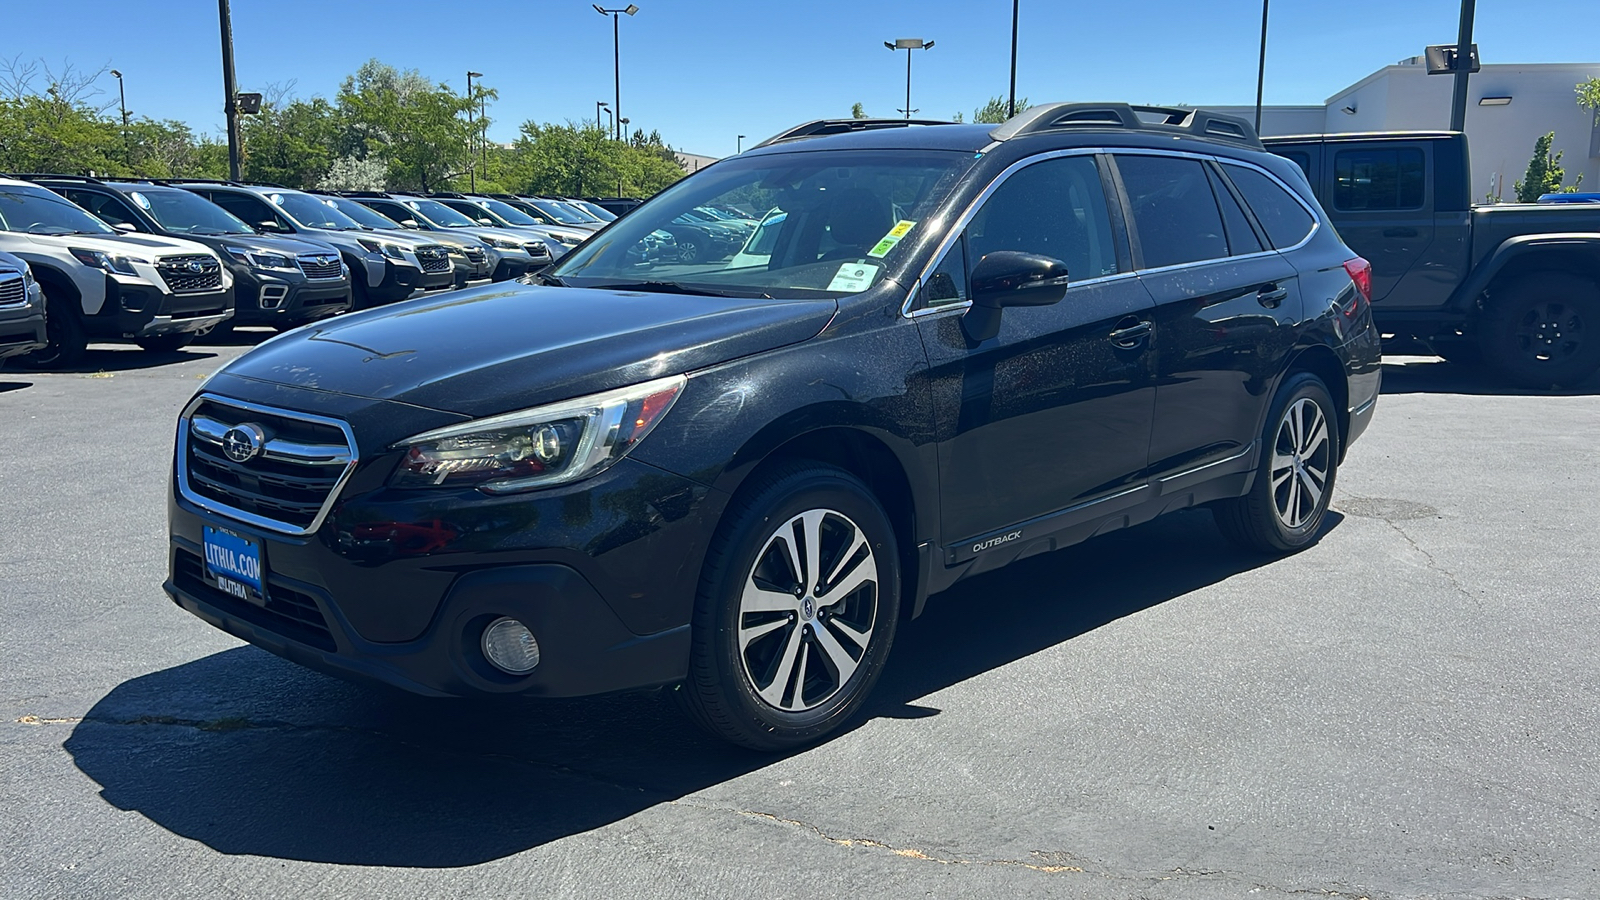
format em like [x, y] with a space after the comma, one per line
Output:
[486, 222]
[1010, 278]
[409, 223]
[125, 227]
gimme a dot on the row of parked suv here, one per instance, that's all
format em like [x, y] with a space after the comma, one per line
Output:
[160, 262]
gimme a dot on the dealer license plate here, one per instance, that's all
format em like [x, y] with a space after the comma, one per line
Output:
[233, 564]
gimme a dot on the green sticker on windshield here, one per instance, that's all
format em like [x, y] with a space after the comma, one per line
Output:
[853, 277]
[900, 230]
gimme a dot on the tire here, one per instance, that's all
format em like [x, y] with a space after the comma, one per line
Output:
[67, 341]
[690, 248]
[218, 333]
[794, 675]
[1543, 331]
[360, 294]
[166, 343]
[1301, 440]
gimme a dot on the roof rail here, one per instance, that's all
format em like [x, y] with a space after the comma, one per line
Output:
[822, 127]
[355, 193]
[453, 195]
[54, 176]
[201, 181]
[1168, 120]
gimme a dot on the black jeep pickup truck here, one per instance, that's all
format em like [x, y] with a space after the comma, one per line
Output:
[1515, 286]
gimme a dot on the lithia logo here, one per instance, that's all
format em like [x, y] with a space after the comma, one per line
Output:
[996, 541]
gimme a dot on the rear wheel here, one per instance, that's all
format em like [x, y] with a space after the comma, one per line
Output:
[796, 612]
[166, 343]
[1294, 481]
[1544, 330]
[67, 341]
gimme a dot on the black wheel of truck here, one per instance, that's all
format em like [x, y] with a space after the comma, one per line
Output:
[166, 343]
[1544, 330]
[63, 331]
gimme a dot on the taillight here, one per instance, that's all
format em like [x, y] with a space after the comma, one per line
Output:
[1360, 271]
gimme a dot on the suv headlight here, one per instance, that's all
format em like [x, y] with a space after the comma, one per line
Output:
[392, 251]
[99, 259]
[500, 243]
[260, 259]
[540, 447]
[567, 237]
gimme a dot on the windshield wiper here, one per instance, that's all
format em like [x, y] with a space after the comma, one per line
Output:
[551, 280]
[672, 287]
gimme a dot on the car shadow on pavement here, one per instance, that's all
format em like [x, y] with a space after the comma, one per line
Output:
[118, 358]
[249, 754]
[8, 385]
[1431, 375]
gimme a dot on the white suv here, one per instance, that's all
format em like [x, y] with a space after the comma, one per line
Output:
[100, 284]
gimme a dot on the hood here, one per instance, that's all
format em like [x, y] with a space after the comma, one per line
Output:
[147, 245]
[500, 348]
[271, 243]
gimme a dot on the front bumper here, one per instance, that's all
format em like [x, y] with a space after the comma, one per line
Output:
[286, 302]
[22, 329]
[144, 310]
[397, 586]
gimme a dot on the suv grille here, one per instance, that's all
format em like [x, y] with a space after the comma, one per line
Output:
[537, 250]
[12, 291]
[320, 266]
[285, 486]
[188, 274]
[434, 258]
[288, 612]
[475, 255]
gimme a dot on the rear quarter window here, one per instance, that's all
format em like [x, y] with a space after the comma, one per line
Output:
[1286, 221]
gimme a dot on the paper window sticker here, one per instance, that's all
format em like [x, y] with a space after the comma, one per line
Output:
[853, 277]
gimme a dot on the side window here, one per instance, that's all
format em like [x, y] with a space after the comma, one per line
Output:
[253, 211]
[1378, 179]
[393, 210]
[948, 283]
[1287, 222]
[1301, 159]
[108, 208]
[1056, 208]
[1241, 237]
[1174, 212]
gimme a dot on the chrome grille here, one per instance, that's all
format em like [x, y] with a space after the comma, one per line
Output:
[537, 249]
[320, 266]
[475, 255]
[189, 274]
[287, 486]
[434, 258]
[13, 292]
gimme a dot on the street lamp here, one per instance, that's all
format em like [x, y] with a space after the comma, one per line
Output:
[908, 45]
[613, 120]
[122, 101]
[472, 171]
[624, 123]
[616, 48]
[599, 105]
[740, 146]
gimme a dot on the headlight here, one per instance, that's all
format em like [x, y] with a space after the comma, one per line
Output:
[122, 265]
[500, 243]
[258, 259]
[539, 447]
[567, 238]
[392, 251]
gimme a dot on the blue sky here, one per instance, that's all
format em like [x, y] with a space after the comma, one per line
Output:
[703, 71]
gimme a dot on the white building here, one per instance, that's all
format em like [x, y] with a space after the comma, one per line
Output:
[1508, 108]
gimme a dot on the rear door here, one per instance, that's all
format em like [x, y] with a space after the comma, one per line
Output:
[1055, 410]
[1226, 306]
[1381, 200]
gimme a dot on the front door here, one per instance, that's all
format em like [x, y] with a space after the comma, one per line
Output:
[1054, 411]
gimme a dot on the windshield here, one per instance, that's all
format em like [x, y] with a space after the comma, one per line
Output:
[834, 220]
[310, 212]
[506, 211]
[181, 212]
[361, 214]
[38, 211]
[439, 214]
[558, 212]
[595, 209]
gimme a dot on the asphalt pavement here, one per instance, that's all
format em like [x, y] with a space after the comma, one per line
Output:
[1407, 709]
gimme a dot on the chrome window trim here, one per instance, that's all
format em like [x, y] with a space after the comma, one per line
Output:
[181, 454]
[971, 210]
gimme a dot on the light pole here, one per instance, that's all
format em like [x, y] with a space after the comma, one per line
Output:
[229, 89]
[624, 123]
[1011, 104]
[1261, 67]
[908, 45]
[599, 105]
[1463, 67]
[740, 146]
[613, 120]
[616, 47]
[472, 171]
[122, 101]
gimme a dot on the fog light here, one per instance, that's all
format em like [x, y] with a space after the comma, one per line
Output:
[509, 646]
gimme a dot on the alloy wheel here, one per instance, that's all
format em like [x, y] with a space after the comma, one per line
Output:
[1550, 331]
[1301, 455]
[807, 610]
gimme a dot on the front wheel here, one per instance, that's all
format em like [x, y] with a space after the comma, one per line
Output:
[66, 341]
[1294, 482]
[796, 612]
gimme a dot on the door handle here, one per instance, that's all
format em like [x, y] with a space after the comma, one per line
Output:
[1271, 295]
[1399, 232]
[1129, 336]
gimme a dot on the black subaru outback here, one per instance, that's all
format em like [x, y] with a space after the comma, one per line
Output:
[945, 348]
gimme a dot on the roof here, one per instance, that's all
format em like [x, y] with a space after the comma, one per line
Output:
[1360, 136]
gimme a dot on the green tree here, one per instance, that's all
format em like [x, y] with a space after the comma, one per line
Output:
[994, 112]
[1544, 175]
[290, 143]
[170, 149]
[580, 159]
[417, 127]
[1589, 95]
[49, 134]
[857, 111]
